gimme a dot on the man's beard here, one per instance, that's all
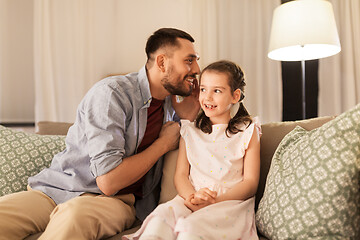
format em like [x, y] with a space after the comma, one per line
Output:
[178, 89]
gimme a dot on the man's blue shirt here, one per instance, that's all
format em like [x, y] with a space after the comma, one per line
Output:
[110, 124]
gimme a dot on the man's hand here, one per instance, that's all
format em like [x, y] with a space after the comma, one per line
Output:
[189, 107]
[170, 135]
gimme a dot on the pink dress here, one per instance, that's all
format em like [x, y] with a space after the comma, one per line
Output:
[216, 163]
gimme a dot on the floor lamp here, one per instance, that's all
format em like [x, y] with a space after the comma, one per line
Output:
[303, 30]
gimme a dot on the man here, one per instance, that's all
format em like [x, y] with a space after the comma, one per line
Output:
[112, 150]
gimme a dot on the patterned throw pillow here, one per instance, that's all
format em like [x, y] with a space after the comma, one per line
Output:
[23, 155]
[312, 189]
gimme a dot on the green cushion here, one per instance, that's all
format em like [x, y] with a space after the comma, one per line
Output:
[312, 189]
[23, 155]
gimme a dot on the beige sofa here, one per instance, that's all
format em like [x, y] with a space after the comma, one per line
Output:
[272, 134]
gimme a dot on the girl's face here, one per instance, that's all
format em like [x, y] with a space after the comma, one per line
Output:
[216, 97]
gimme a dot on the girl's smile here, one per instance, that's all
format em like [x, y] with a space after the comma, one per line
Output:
[209, 106]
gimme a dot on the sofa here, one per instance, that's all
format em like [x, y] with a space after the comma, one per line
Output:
[272, 134]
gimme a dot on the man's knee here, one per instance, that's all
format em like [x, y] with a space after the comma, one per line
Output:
[91, 216]
[24, 213]
[74, 210]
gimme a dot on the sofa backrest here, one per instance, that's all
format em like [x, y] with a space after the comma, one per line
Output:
[52, 128]
[272, 134]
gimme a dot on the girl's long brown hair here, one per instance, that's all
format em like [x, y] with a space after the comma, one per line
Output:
[236, 81]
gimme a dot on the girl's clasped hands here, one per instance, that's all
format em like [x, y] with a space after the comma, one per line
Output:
[200, 199]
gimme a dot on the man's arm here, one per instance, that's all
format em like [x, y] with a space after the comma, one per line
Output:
[134, 167]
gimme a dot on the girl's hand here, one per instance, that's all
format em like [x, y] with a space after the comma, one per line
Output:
[191, 206]
[202, 198]
[204, 195]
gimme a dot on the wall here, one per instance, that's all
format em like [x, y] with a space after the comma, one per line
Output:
[73, 44]
[77, 43]
[16, 57]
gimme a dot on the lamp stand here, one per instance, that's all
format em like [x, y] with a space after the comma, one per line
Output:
[303, 89]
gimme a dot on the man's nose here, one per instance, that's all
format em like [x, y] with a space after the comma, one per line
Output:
[195, 68]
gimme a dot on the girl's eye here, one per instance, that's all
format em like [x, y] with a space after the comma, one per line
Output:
[217, 91]
[202, 89]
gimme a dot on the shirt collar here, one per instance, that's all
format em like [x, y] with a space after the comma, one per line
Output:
[144, 87]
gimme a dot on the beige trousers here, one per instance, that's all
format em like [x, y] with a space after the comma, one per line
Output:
[89, 216]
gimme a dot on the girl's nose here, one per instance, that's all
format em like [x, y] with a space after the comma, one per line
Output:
[208, 96]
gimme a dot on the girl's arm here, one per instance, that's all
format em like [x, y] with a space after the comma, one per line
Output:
[247, 188]
[181, 177]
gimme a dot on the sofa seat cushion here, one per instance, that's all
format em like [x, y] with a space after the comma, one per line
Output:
[312, 188]
[23, 155]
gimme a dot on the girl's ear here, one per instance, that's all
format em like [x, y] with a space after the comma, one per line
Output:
[160, 62]
[236, 96]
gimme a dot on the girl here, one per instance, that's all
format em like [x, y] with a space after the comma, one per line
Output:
[217, 169]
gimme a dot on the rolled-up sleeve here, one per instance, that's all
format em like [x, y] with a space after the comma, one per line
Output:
[105, 126]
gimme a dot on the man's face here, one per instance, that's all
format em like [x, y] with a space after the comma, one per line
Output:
[182, 69]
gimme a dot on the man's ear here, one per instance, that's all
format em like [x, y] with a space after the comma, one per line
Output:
[236, 96]
[160, 62]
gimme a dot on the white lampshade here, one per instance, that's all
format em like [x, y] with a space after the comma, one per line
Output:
[303, 30]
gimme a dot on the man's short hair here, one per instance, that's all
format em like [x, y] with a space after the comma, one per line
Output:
[165, 37]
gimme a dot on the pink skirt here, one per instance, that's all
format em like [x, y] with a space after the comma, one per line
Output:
[233, 219]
